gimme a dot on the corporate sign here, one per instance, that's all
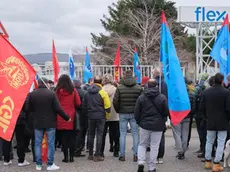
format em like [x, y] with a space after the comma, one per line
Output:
[202, 14]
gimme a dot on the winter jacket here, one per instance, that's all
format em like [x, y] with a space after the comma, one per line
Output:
[44, 105]
[96, 103]
[22, 118]
[111, 89]
[82, 115]
[215, 107]
[126, 95]
[151, 110]
[197, 97]
[69, 103]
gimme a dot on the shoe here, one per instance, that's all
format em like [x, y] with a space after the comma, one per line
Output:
[8, 163]
[217, 168]
[180, 156]
[121, 158]
[157, 162]
[208, 165]
[25, 163]
[98, 158]
[90, 157]
[160, 161]
[134, 158]
[140, 168]
[52, 167]
[27, 150]
[116, 154]
[201, 156]
[65, 160]
[71, 159]
[38, 167]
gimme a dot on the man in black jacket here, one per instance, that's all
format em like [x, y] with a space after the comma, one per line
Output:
[80, 143]
[150, 112]
[45, 107]
[124, 102]
[215, 107]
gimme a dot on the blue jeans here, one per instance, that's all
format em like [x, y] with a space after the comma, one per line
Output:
[38, 134]
[124, 120]
[221, 138]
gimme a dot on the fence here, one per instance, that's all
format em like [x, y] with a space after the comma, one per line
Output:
[97, 70]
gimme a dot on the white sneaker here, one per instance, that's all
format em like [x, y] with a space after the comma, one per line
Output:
[53, 167]
[160, 161]
[8, 163]
[25, 163]
[38, 167]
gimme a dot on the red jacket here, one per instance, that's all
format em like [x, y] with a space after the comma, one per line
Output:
[67, 103]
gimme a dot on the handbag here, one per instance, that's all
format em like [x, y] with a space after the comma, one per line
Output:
[77, 115]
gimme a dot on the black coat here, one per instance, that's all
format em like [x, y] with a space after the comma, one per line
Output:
[44, 105]
[151, 110]
[215, 106]
[126, 95]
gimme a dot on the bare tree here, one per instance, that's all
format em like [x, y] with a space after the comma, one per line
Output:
[146, 31]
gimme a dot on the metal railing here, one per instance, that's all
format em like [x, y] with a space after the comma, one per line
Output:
[97, 70]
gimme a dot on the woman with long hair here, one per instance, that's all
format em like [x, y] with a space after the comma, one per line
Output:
[69, 100]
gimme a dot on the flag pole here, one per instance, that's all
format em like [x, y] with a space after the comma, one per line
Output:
[160, 76]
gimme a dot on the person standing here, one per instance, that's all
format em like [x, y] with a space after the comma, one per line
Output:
[215, 107]
[45, 107]
[150, 112]
[97, 106]
[113, 121]
[69, 100]
[80, 141]
[181, 130]
[20, 130]
[124, 102]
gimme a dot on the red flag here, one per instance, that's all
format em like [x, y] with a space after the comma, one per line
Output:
[44, 148]
[16, 78]
[5, 34]
[55, 63]
[117, 61]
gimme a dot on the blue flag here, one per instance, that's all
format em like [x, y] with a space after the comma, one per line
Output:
[87, 68]
[137, 70]
[71, 65]
[178, 99]
[220, 52]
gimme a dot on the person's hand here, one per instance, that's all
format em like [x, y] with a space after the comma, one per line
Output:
[69, 120]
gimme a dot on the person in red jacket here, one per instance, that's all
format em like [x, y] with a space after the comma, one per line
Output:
[69, 100]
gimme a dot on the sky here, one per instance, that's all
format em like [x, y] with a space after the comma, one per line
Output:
[32, 24]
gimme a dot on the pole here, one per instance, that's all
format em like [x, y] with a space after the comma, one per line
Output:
[160, 76]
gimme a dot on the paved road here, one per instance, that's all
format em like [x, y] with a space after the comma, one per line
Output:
[111, 164]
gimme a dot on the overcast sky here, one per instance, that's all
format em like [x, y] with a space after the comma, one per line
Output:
[32, 24]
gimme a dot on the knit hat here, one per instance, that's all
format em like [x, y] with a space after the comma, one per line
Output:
[144, 80]
[107, 78]
[228, 77]
[77, 82]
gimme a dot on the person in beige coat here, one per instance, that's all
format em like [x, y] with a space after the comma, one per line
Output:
[113, 121]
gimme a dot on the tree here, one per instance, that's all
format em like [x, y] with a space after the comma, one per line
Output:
[136, 23]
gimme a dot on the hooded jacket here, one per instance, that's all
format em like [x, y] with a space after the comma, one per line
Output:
[68, 103]
[151, 110]
[126, 95]
[96, 103]
[111, 89]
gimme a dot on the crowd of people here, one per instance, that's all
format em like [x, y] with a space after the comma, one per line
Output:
[71, 115]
